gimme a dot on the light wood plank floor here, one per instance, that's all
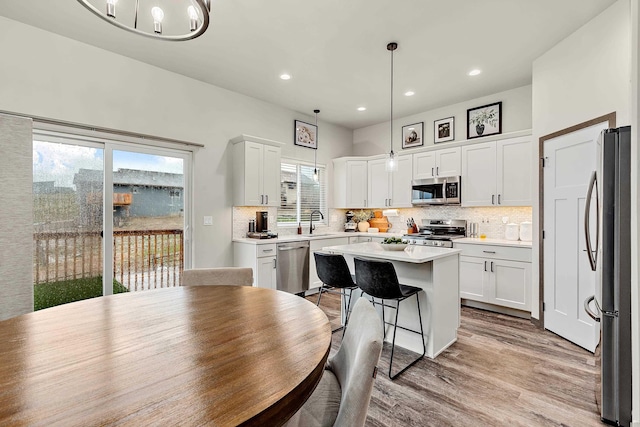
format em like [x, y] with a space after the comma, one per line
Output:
[502, 371]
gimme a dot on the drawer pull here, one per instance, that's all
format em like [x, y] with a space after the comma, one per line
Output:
[489, 252]
[267, 250]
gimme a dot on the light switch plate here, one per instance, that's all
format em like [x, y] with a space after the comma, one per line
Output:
[208, 220]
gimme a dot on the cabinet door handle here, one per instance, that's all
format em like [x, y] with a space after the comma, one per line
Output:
[492, 266]
[274, 263]
[493, 199]
[386, 202]
[498, 199]
[365, 202]
[438, 170]
[262, 199]
[267, 198]
[489, 252]
[432, 174]
[485, 266]
[389, 202]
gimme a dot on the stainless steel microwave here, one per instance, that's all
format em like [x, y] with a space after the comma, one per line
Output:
[436, 191]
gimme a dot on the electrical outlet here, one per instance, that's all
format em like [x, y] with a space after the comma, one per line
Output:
[208, 220]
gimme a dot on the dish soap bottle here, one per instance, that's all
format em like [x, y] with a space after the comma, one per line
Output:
[299, 228]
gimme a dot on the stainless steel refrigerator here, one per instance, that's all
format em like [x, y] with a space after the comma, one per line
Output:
[609, 252]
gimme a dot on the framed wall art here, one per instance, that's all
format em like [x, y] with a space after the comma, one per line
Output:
[305, 134]
[484, 121]
[443, 130]
[412, 135]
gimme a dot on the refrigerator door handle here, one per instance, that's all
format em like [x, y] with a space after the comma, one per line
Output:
[587, 308]
[591, 253]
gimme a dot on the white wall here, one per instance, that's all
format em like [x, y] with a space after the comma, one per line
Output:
[635, 201]
[516, 115]
[46, 75]
[585, 76]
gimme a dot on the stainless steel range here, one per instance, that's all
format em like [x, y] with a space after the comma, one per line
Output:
[438, 232]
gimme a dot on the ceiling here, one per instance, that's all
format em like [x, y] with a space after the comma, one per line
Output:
[336, 51]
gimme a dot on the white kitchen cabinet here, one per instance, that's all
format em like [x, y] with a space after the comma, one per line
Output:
[256, 171]
[259, 257]
[437, 163]
[317, 245]
[350, 183]
[497, 173]
[387, 189]
[497, 275]
[364, 239]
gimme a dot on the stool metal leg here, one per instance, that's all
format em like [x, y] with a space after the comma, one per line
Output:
[393, 342]
[347, 311]
[320, 294]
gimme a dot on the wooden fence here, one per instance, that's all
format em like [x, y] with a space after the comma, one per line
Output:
[142, 259]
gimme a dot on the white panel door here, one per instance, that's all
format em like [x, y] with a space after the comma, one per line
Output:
[479, 174]
[253, 164]
[474, 278]
[514, 179]
[379, 184]
[568, 279]
[357, 183]
[424, 165]
[271, 175]
[266, 274]
[448, 162]
[401, 183]
[512, 284]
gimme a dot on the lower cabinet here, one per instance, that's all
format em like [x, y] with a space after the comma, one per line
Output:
[261, 258]
[362, 239]
[498, 275]
[316, 245]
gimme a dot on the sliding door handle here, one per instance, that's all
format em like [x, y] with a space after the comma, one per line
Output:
[485, 266]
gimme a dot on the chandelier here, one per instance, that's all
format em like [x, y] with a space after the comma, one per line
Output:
[186, 19]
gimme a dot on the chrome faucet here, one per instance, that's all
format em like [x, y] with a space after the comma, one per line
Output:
[311, 227]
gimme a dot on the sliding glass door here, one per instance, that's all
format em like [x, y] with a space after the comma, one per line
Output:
[87, 193]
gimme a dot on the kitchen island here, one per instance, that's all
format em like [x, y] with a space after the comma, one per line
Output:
[435, 270]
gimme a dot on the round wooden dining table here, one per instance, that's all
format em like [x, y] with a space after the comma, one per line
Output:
[200, 355]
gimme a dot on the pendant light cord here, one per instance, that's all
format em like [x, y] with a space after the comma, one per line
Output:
[391, 116]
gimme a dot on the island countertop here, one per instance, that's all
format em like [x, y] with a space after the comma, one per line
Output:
[413, 254]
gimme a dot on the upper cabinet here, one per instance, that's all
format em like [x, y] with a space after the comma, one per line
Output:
[387, 189]
[256, 171]
[350, 183]
[438, 163]
[497, 173]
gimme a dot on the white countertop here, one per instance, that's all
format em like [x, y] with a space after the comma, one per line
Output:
[493, 242]
[319, 236]
[412, 253]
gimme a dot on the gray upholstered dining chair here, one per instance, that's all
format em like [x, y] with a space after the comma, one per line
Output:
[238, 276]
[342, 397]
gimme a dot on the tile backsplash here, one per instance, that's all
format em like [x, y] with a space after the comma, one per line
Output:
[489, 219]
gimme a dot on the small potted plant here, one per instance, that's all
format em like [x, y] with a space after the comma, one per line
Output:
[362, 217]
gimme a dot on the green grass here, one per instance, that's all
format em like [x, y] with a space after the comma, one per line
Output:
[47, 295]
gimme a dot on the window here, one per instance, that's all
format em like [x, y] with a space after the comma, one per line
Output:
[300, 194]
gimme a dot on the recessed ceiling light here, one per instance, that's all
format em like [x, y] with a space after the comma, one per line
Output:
[474, 72]
[362, 108]
[409, 93]
[285, 76]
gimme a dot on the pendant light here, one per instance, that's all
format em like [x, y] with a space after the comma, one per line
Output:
[315, 152]
[392, 163]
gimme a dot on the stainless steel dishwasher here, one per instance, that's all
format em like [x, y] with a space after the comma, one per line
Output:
[292, 267]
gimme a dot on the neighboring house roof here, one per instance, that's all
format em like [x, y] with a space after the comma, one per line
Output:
[133, 177]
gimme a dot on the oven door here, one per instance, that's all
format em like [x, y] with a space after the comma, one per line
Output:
[428, 191]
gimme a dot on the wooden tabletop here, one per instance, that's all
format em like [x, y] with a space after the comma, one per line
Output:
[202, 355]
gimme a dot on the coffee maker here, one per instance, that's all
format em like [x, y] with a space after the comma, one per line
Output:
[350, 225]
[262, 221]
[260, 228]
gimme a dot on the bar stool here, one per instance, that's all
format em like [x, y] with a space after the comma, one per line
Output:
[336, 278]
[379, 280]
